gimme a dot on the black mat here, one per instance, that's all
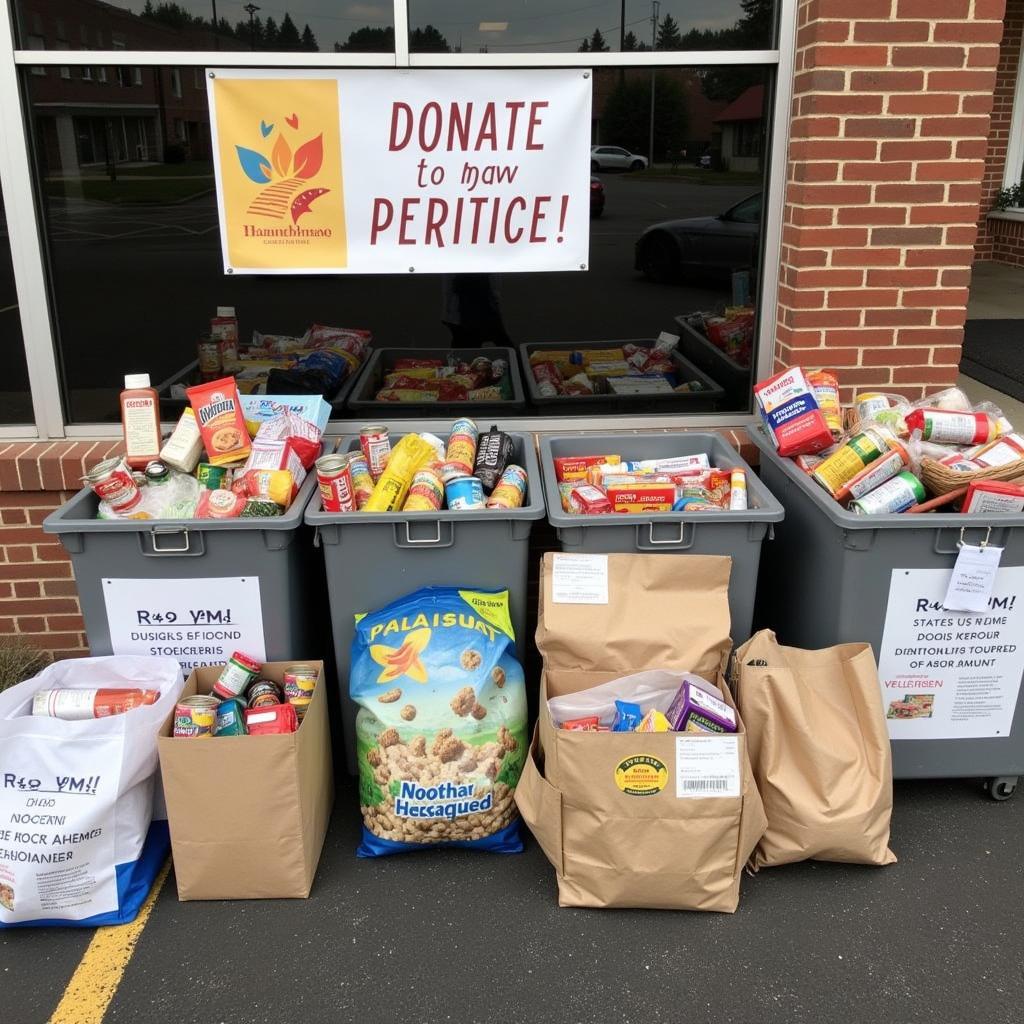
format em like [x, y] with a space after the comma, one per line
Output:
[994, 354]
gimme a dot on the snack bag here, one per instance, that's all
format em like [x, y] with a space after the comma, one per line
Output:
[218, 409]
[441, 728]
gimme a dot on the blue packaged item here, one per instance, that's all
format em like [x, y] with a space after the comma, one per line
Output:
[441, 728]
[627, 716]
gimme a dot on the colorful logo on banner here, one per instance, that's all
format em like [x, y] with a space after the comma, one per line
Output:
[280, 153]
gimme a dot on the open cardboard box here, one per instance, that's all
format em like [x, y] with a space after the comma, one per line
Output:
[248, 814]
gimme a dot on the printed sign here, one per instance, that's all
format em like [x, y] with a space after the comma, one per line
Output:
[951, 675]
[198, 621]
[392, 172]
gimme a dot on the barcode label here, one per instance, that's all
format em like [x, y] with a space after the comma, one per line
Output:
[707, 766]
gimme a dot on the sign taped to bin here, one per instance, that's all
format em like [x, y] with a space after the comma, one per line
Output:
[399, 171]
[200, 621]
[951, 675]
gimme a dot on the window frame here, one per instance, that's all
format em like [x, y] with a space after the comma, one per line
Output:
[28, 246]
[1013, 171]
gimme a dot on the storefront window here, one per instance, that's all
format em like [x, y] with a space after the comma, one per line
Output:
[136, 266]
[567, 26]
[309, 26]
[15, 400]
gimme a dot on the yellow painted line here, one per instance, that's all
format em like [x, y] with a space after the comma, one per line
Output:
[102, 966]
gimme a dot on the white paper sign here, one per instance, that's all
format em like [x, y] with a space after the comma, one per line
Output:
[951, 675]
[973, 577]
[707, 766]
[579, 579]
[198, 621]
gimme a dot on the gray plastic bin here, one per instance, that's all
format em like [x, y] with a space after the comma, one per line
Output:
[277, 549]
[738, 534]
[373, 558]
[734, 377]
[827, 579]
[707, 400]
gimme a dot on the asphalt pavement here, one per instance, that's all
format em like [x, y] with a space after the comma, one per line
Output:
[472, 937]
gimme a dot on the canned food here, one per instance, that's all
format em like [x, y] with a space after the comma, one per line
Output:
[462, 444]
[262, 694]
[450, 471]
[230, 718]
[196, 717]
[426, 493]
[300, 681]
[861, 449]
[375, 442]
[335, 481]
[895, 495]
[464, 494]
[510, 491]
[301, 706]
[869, 404]
[210, 359]
[112, 482]
[362, 481]
[213, 478]
[870, 477]
[236, 675]
[157, 473]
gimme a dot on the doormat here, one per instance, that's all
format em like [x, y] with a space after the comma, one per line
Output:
[994, 354]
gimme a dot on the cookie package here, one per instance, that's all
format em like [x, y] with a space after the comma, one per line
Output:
[218, 410]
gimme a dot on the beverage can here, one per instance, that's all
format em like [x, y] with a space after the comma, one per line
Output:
[426, 492]
[464, 494]
[362, 480]
[895, 495]
[196, 717]
[462, 444]
[334, 478]
[236, 675]
[112, 482]
[375, 442]
[510, 491]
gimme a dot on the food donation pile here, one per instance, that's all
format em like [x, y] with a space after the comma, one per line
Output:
[422, 473]
[731, 331]
[597, 484]
[896, 455]
[629, 369]
[316, 363]
[229, 456]
[453, 380]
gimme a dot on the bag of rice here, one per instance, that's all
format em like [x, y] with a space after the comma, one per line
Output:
[441, 728]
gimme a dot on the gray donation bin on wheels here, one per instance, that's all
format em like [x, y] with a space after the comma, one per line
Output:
[950, 679]
[261, 563]
[737, 534]
[373, 558]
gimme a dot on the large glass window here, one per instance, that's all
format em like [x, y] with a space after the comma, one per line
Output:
[308, 26]
[676, 239]
[15, 400]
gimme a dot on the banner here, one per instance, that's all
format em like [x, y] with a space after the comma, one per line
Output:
[397, 172]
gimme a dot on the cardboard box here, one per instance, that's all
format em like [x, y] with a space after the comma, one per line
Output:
[248, 814]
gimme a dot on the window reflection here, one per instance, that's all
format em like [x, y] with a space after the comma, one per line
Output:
[15, 401]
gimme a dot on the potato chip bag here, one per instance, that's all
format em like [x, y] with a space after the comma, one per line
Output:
[441, 729]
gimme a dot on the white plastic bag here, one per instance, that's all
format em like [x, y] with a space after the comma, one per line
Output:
[78, 845]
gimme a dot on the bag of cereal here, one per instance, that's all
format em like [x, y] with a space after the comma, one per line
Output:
[441, 728]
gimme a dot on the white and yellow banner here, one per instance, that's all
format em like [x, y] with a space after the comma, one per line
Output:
[388, 171]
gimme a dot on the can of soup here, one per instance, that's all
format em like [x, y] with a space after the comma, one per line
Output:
[236, 675]
[895, 495]
[362, 480]
[112, 482]
[462, 444]
[869, 403]
[464, 494]
[195, 717]
[335, 480]
[510, 491]
[375, 442]
[426, 492]
[262, 694]
[299, 681]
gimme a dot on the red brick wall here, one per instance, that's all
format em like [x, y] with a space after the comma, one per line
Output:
[890, 122]
[38, 597]
[998, 239]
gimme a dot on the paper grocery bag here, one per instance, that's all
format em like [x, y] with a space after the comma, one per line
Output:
[819, 749]
[633, 819]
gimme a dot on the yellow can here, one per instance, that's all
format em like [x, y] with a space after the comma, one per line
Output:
[842, 466]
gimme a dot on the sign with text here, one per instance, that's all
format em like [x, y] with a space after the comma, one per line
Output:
[199, 621]
[395, 171]
[951, 675]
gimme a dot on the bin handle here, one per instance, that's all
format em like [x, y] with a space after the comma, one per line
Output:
[156, 549]
[940, 550]
[679, 541]
[436, 540]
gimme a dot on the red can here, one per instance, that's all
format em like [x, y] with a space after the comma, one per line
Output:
[113, 483]
[376, 444]
[335, 478]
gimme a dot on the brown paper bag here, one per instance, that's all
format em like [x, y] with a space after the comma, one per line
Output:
[615, 813]
[820, 751]
[248, 814]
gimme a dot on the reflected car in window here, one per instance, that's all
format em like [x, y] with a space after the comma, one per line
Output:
[596, 197]
[727, 242]
[615, 158]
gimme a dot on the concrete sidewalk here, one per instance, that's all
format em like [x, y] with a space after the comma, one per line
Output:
[471, 937]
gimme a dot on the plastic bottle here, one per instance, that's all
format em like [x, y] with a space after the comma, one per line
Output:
[140, 420]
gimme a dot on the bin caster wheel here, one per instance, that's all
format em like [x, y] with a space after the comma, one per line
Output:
[1001, 788]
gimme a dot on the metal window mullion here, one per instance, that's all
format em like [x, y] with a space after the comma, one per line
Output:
[26, 245]
[202, 58]
[401, 34]
[646, 58]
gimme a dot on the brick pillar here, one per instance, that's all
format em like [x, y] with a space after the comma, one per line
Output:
[891, 110]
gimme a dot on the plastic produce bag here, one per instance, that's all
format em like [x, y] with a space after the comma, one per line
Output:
[78, 843]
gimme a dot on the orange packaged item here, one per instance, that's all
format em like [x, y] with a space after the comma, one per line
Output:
[645, 497]
[585, 499]
[574, 467]
[825, 386]
[218, 410]
[589, 724]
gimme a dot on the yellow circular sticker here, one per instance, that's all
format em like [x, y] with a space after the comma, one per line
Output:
[641, 775]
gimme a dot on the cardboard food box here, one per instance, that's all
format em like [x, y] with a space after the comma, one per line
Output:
[659, 820]
[248, 814]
